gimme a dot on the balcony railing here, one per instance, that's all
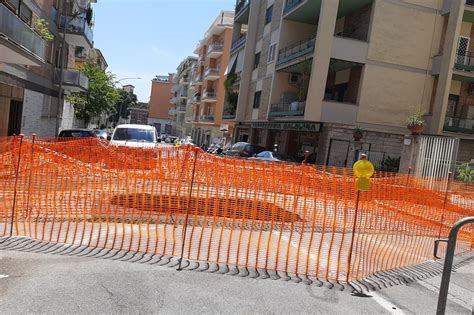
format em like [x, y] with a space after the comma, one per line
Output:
[241, 6]
[460, 125]
[209, 95]
[197, 79]
[212, 72]
[465, 61]
[297, 50]
[196, 98]
[215, 48]
[291, 109]
[74, 79]
[19, 32]
[206, 118]
[181, 108]
[291, 4]
[470, 2]
[238, 43]
[77, 25]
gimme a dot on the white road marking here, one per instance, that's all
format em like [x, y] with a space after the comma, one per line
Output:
[3, 276]
[388, 306]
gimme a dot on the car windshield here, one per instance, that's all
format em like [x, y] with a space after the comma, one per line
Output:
[128, 134]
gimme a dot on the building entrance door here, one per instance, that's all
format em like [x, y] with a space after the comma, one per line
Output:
[14, 120]
[338, 153]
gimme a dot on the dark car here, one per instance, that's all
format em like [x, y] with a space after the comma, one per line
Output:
[77, 133]
[244, 149]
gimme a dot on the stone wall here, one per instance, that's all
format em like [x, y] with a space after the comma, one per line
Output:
[390, 144]
[34, 120]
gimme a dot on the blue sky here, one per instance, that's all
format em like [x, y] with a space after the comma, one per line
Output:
[143, 38]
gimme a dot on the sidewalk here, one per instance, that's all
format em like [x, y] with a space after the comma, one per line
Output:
[46, 283]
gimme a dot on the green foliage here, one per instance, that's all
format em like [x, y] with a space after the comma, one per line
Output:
[101, 96]
[416, 119]
[42, 28]
[391, 164]
[304, 68]
[124, 102]
[465, 172]
[232, 97]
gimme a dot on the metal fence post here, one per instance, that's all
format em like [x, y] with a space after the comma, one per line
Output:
[33, 136]
[356, 213]
[448, 264]
[448, 187]
[188, 206]
[17, 171]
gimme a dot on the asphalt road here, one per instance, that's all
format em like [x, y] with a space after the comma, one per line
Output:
[46, 283]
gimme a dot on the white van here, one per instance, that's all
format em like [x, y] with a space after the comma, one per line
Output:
[135, 136]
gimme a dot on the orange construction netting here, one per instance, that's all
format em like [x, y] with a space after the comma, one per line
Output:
[182, 202]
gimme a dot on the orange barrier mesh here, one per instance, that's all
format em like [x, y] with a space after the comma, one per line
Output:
[298, 219]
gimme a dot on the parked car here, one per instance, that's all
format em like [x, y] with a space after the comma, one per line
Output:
[244, 149]
[77, 133]
[135, 136]
[270, 156]
[102, 134]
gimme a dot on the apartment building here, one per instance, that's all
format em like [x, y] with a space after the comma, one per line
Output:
[309, 72]
[139, 114]
[208, 100]
[34, 69]
[160, 103]
[182, 96]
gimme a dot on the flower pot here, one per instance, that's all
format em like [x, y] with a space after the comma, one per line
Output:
[416, 129]
[357, 135]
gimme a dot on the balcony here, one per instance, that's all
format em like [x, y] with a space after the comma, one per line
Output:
[209, 96]
[206, 118]
[73, 80]
[181, 108]
[197, 98]
[291, 5]
[215, 50]
[295, 53]
[284, 110]
[242, 12]
[197, 80]
[459, 125]
[237, 44]
[19, 44]
[78, 31]
[212, 74]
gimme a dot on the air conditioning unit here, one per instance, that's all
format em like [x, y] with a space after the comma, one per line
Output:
[294, 78]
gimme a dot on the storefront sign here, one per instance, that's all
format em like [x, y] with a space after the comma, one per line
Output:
[293, 126]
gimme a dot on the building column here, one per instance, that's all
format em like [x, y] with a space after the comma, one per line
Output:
[321, 59]
[447, 65]
[249, 52]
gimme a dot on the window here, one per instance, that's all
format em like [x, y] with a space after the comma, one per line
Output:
[272, 53]
[25, 13]
[256, 99]
[269, 14]
[256, 61]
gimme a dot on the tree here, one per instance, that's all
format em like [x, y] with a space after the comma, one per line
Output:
[124, 102]
[99, 98]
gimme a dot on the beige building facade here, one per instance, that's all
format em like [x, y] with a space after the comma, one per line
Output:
[309, 71]
[182, 96]
[208, 82]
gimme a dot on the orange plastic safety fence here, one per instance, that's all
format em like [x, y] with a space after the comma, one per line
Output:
[292, 218]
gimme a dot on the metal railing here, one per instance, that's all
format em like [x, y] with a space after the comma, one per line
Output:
[206, 118]
[291, 109]
[196, 98]
[197, 79]
[461, 125]
[209, 95]
[296, 50]
[448, 262]
[72, 78]
[238, 43]
[19, 32]
[77, 25]
[291, 4]
[464, 61]
[241, 6]
[215, 47]
[212, 72]
[470, 2]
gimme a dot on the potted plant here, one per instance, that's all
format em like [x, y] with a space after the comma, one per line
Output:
[416, 123]
[357, 133]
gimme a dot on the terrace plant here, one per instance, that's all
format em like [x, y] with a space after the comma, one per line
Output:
[42, 28]
[416, 123]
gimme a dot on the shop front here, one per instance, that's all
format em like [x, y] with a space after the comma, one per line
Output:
[296, 139]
